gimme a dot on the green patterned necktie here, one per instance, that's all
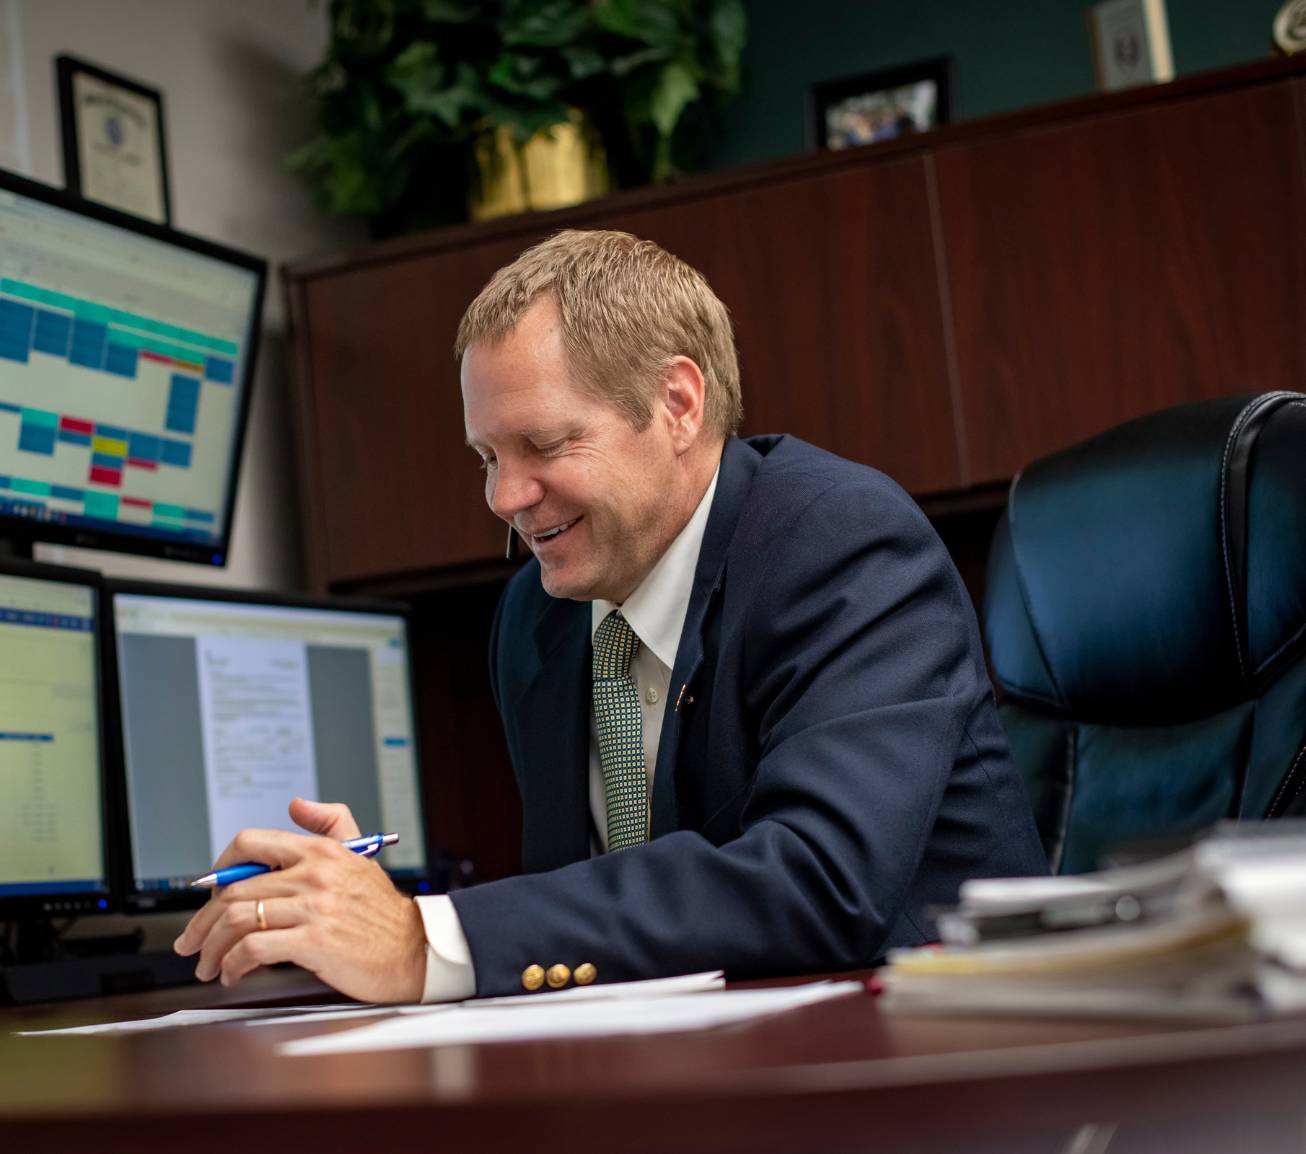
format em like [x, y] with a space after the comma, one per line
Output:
[621, 733]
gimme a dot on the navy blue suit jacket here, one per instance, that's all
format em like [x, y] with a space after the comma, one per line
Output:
[833, 768]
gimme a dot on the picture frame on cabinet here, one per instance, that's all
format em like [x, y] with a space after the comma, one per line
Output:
[880, 105]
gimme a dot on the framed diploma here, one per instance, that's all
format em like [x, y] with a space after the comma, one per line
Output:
[113, 148]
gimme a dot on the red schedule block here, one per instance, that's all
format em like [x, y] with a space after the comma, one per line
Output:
[76, 425]
[103, 476]
[137, 463]
[136, 502]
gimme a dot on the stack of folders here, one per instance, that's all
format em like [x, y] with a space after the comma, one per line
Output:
[1216, 932]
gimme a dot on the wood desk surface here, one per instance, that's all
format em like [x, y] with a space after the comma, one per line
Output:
[839, 1075]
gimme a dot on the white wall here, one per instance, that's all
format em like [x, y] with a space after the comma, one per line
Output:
[231, 73]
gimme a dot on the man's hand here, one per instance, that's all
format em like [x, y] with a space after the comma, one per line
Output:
[327, 909]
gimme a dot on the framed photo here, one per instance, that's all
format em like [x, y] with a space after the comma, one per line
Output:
[879, 105]
[113, 146]
[1131, 43]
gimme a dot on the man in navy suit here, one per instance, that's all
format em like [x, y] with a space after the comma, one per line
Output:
[741, 681]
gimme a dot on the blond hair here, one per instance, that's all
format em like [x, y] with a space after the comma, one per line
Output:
[627, 308]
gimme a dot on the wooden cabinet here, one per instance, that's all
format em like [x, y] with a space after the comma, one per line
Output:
[945, 308]
[1120, 263]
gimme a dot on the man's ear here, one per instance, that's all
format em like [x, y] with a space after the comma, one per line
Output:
[681, 400]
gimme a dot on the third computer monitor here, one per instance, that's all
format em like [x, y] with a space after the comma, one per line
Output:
[231, 705]
[53, 858]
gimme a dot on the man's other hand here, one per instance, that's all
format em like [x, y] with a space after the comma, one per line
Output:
[327, 909]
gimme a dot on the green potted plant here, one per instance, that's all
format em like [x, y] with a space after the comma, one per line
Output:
[416, 98]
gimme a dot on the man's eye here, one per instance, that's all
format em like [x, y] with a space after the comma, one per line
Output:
[488, 463]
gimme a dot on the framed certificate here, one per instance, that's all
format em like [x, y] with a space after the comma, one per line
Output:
[113, 148]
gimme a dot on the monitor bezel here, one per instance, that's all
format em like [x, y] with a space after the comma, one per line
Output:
[213, 555]
[136, 900]
[78, 903]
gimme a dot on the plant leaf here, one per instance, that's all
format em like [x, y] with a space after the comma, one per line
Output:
[676, 87]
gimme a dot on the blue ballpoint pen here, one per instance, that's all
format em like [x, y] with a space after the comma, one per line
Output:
[363, 846]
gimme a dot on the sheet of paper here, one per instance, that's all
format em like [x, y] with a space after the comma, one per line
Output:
[648, 988]
[204, 1018]
[472, 1022]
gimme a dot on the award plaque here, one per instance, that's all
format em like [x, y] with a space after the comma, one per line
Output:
[113, 150]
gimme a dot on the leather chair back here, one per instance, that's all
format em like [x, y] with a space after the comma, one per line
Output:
[1145, 616]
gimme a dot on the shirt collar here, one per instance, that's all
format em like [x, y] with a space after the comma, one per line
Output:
[656, 609]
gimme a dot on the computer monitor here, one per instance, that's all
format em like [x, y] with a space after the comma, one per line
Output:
[53, 829]
[231, 704]
[126, 357]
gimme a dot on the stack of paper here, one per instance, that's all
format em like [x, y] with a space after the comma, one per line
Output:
[1217, 932]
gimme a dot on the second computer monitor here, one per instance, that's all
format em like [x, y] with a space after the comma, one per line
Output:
[231, 705]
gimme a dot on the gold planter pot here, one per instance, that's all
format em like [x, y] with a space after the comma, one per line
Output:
[558, 166]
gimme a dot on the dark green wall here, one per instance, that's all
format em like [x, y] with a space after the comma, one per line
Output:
[1006, 54]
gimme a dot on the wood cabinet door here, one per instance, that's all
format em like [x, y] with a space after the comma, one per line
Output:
[833, 285]
[399, 490]
[1109, 267]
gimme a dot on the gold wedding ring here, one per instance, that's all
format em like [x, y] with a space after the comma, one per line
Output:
[260, 916]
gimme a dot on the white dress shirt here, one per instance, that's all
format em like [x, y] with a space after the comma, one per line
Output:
[656, 612]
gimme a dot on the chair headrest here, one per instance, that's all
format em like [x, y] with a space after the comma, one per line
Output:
[1158, 571]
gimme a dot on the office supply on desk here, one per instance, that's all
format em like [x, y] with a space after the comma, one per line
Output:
[127, 356]
[471, 1023]
[368, 846]
[232, 703]
[1216, 932]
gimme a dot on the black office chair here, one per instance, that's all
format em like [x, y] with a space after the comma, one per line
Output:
[1146, 621]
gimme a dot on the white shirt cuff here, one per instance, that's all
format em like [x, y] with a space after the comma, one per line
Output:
[450, 976]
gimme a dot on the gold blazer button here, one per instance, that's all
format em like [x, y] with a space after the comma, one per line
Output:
[558, 976]
[585, 973]
[532, 977]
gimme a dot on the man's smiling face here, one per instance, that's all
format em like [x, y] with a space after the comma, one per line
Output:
[595, 500]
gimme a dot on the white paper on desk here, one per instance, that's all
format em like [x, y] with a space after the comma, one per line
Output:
[202, 1018]
[471, 1022]
[649, 987]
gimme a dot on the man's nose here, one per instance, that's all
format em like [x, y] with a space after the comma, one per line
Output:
[513, 491]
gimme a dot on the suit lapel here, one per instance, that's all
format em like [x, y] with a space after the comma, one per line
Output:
[739, 461]
[553, 754]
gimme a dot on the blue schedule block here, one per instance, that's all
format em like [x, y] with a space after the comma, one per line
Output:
[67, 492]
[53, 332]
[36, 439]
[183, 404]
[200, 516]
[120, 360]
[219, 370]
[176, 453]
[144, 447]
[88, 344]
[15, 330]
[6, 407]
[69, 437]
[111, 431]
[105, 461]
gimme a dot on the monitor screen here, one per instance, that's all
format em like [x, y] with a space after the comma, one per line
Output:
[52, 847]
[232, 705]
[126, 354]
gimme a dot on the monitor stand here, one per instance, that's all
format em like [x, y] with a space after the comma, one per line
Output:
[15, 550]
[44, 969]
